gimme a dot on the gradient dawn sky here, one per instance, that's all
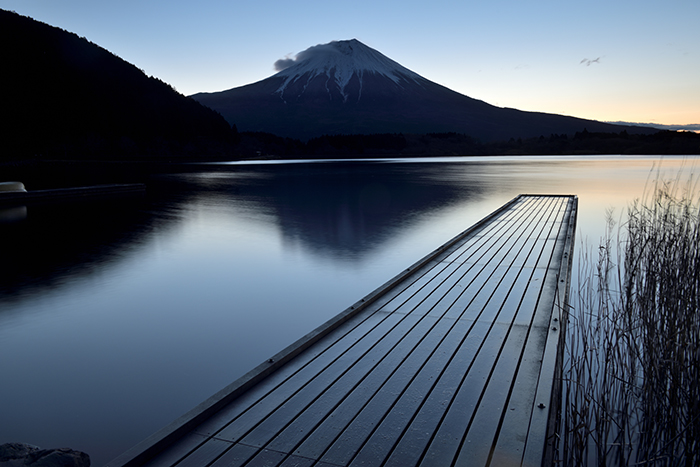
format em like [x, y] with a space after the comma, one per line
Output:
[609, 60]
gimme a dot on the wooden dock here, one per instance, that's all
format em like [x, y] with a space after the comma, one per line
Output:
[452, 362]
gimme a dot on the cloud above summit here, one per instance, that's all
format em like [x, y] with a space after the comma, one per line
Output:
[284, 63]
[313, 51]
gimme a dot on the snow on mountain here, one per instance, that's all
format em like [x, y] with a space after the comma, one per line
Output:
[339, 61]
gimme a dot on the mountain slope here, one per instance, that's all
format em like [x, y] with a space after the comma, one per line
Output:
[345, 87]
[63, 96]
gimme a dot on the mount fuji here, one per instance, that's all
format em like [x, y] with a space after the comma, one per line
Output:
[346, 87]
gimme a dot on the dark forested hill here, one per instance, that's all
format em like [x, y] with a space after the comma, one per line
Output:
[65, 97]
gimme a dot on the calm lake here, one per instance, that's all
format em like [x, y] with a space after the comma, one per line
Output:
[118, 317]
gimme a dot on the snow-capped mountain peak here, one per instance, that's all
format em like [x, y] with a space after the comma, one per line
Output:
[345, 87]
[339, 61]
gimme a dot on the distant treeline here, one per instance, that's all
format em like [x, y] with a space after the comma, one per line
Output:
[584, 142]
[251, 144]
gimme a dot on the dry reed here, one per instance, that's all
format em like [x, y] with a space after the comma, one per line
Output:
[631, 392]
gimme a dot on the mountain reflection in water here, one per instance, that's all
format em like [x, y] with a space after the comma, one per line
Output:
[341, 211]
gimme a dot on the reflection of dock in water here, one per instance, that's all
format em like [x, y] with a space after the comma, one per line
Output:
[452, 362]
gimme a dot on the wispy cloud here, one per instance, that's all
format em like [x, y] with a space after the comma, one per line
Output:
[284, 63]
[316, 50]
[588, 62]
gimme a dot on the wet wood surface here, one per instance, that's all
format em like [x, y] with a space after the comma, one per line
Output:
[451, 363]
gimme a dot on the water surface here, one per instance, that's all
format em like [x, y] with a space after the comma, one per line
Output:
[116, 318]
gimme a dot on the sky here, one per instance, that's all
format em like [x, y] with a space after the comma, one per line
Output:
[610, 60]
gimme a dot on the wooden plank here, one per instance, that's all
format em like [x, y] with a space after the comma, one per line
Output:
[374, 453]
[440, 414]
[374, 405]
[440, 366]
[237, 456]
[469, 396]
[345, 437]
[273, 421]
[171, 455]
[298, 386]
[205, 453]
[389, 348]
[542, 421]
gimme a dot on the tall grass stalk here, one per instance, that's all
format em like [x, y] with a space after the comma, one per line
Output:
[631, 393]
